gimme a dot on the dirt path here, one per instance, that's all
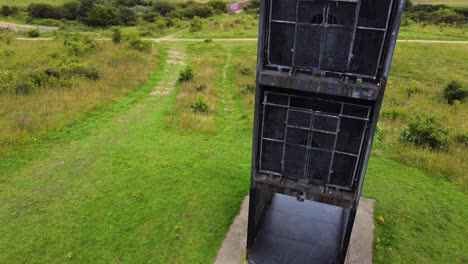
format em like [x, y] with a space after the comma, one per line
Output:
[22, 28]
[175, 62]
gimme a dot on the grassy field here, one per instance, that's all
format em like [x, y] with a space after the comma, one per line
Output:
[128, 184]
[426, 69]
[455, 3]
[56, 102]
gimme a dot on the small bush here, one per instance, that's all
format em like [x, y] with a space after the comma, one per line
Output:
[116, 35]
[454, 91]
[7, 81]
[196, 24]
[80, 70]
[426, 132]
[39, 78]
[462, 139]
[199, 87]
[33, 33]
[248, 88]
[141, 45]
[201, 104]
[7, 39]
[197, 10]
[244, 70]
[24, 87]
[8, 10]
[411, 91]
[218, 6]
[163, 7]
[186, 74]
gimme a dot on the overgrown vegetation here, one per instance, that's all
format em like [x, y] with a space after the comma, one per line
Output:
[186, 74]
[435, 14]
[426, 132]
[46, 85]
[96, 13]
[455, 92]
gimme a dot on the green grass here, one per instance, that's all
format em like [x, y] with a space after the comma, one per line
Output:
[123, 187]
[424, 218]
[427, 69]
[26, 118]
[433, 32]
[127, 185]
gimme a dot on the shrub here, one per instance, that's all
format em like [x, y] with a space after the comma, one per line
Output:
[199, 87]
[248, 88]
[7, 81]
[244, 70]
[24, 87]
[127, 17]
[38, 78]
[160, 23]
[78, 46]
[201, 104]
[70, 10]
[102, 16]
[462, 139]
[116, 35]
[33, 33]
[426, 132]
[196, 24]
[218, 6]
[454, 91]
[163, 8]
[44, 11]
[7, 39]
[197, 10]
[80, 70]
[141, 45]
[186, 74]
[8, 10]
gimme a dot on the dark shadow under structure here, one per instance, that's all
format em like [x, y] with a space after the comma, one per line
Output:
[321, 76]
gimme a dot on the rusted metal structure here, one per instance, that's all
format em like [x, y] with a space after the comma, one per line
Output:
[321, 77]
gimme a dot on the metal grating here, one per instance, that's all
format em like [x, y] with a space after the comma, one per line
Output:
[312, 139]
[332, 36]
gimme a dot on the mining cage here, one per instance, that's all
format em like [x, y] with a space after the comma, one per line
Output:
[321, 76]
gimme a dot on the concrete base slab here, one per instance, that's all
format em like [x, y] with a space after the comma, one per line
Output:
[360, 249]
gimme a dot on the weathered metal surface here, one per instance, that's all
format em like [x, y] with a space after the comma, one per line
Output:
[321, 76]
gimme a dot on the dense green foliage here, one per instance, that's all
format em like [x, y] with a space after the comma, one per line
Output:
[435, 14]
[426, 132]
[122, 12]
[186, 74]
[455, 92]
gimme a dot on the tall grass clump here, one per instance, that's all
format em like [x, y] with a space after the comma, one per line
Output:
[186, 74]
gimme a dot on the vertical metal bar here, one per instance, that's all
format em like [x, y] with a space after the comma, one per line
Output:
[351, 48]
[359, 153]
[334, 145]
[295, 35]
[323, 27]
[261, 129]
[309, 145]
[390, 9]
[269, 31]
[285, 135]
